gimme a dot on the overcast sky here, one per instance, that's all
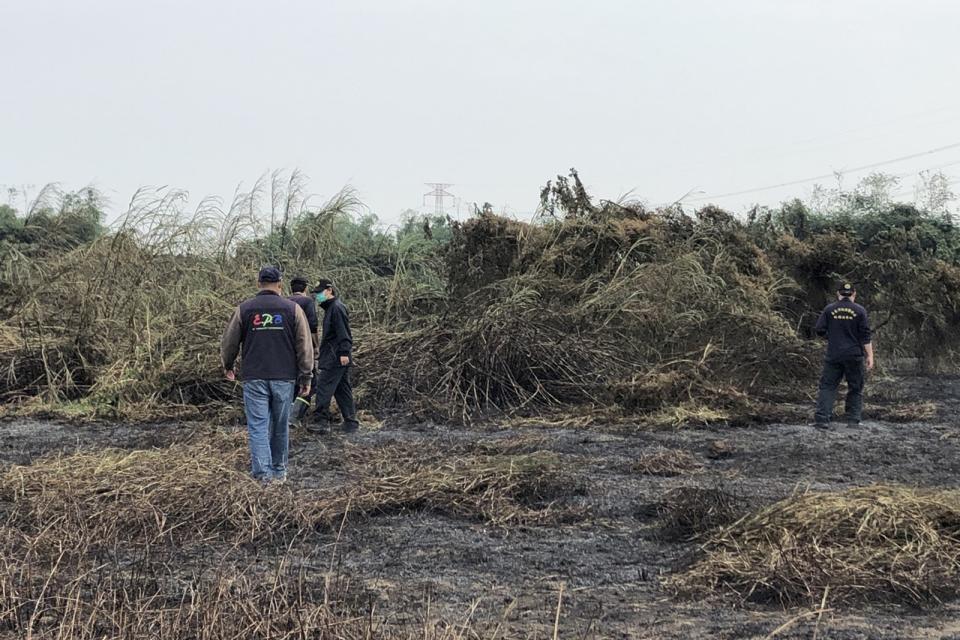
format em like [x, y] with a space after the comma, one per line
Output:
[496, 97]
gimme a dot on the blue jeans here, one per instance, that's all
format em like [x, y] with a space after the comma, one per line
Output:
[267, 405]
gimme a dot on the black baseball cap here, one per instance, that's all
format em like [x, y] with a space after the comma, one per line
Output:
[269, 274]
[322, 285]
[846, 289]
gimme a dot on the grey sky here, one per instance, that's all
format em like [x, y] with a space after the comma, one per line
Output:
[657, 97]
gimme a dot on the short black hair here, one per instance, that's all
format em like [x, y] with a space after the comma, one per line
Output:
[269, 274]
[298, 284]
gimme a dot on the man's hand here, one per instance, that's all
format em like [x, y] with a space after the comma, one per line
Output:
[344, 361]
[304, 390]
[230, 375]
[870, 363]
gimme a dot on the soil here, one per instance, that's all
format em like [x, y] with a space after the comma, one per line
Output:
[603, 570]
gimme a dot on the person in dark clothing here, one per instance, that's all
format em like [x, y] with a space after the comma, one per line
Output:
[277, 355]
[298, 294]
[846, 327]
[298, 289]
[333, 363]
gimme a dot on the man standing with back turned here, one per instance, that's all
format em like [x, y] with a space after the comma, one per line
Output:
[849, 339]
[277, 354]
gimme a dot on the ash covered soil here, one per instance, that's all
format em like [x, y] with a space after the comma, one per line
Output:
[603, 567]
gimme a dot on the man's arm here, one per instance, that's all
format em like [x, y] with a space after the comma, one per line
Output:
[311, 311]
[344, 345]
[304, 347]
[866, 338]
[230, 344]
[821, 326]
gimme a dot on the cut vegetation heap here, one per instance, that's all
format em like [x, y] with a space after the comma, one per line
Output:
[606, 306]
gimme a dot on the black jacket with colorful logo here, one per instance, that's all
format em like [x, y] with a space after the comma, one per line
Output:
[274, 337]
[846, 327]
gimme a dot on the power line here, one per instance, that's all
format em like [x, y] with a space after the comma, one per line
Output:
[825, 176]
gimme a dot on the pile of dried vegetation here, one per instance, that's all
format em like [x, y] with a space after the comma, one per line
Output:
[594, 306]
[876, 543]
[182, 492]
[180, 542]
[493, 484]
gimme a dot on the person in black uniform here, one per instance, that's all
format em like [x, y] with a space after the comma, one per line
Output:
[333, 363]
[846, 327]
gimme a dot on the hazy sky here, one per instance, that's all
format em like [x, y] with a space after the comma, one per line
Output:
[657, 97]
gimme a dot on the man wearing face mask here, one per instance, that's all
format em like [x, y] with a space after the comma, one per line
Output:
[333, 363]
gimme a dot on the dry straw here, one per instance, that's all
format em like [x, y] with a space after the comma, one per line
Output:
[666, 462]
[876, 543]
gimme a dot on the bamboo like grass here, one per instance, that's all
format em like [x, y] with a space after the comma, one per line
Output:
[618, 308]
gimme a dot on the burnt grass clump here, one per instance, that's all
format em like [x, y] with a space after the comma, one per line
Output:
[688, 512]
[875, 543]
[123, 543]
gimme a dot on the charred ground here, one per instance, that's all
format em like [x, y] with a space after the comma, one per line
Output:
[606, 531]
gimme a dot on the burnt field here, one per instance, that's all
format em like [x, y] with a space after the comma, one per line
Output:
[419, 529]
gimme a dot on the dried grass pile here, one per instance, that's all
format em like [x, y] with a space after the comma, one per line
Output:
[666, 462]
[877, 543]
[180, 543]
[129, 323]
[501, 488]
[149, 594]
[609, 305]
[186, 492]
[688, 512]
[592, 305]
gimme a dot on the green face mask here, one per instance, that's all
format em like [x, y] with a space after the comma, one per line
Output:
[322, 296]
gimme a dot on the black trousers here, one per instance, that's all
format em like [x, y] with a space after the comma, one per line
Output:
[334, 382]
[850, 370]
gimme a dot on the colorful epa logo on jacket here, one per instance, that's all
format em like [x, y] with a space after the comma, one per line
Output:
[262, 321]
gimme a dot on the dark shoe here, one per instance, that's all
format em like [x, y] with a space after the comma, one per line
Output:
[820, 425]
[350, 426]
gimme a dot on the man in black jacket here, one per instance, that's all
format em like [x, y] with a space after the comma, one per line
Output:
[333, 362]
[849, 341]
[298, 288]
[277, 355]
[298, 294]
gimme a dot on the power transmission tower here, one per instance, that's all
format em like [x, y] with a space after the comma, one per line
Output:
[439, 193]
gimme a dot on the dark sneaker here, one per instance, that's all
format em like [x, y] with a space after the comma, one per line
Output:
[820, 425]
[350, 427]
